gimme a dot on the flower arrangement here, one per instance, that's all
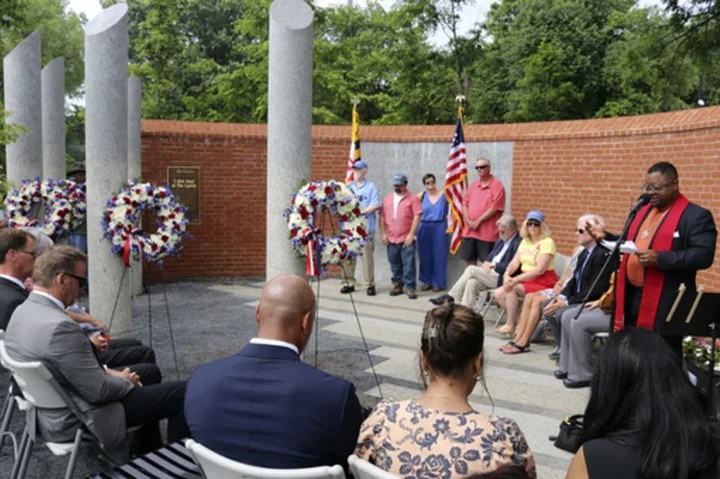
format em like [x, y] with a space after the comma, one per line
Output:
[697, 351]
[124, 210]
[303, 221]
[64, 206]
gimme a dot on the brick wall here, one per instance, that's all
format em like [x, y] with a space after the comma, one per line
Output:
[564, 168]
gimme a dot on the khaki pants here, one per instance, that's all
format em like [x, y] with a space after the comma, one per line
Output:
[473, 280]
[368, 266]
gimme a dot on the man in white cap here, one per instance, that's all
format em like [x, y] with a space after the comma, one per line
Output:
[369, 197]
[400, 216]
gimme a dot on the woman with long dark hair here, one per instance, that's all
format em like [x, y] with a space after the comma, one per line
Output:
[644, 418]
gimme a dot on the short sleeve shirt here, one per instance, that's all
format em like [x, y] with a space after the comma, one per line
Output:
[478, 199]
[530, 253]
[398, 228]
[369, 196]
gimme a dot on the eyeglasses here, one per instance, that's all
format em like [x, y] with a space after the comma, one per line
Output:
[34, 254]
[82, 280]
[655, 189]
[533, 224]
[430, 182]
[481, 167]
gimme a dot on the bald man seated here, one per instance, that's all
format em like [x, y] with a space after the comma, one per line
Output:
[265, 407]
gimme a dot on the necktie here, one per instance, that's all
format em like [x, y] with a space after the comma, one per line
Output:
[579, 269]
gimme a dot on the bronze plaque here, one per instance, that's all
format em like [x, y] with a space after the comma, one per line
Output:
[184, 183]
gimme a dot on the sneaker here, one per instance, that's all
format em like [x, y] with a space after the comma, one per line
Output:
[396, 290]
[440, 300]
[371, 291]
[347, 289]
[411, 294]
[555, 355]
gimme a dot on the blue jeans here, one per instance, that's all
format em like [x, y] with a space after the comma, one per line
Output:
[402, 264]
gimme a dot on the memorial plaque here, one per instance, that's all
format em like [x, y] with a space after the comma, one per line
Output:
[184, 183]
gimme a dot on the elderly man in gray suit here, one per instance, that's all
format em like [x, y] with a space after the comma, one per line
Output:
[110, 401]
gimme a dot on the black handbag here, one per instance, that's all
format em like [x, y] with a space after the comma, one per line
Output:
[571, 430]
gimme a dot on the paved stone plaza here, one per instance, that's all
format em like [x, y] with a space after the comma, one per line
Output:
[213, 320]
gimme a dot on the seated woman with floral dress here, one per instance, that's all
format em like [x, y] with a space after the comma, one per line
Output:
[532, 269]
[439, 434]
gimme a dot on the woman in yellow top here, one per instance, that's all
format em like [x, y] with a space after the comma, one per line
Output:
[535, 260]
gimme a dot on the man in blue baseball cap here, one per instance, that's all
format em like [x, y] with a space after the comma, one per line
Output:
[369, 197]
[400, 216]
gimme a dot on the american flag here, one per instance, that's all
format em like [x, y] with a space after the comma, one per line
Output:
[354, 147]
[455, 183]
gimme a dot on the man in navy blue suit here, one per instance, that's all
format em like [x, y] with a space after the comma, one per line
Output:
[265, 407]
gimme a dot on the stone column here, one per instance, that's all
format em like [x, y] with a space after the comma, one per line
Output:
[135, 159]
[106, 143]
[53, 119]
[289, 124]
[23, 86]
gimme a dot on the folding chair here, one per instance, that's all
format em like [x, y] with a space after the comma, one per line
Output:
[7, 412]
[42, 391]
[362, 469]
[215, 466]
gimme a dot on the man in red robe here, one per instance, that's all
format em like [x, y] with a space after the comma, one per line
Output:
[675, 239]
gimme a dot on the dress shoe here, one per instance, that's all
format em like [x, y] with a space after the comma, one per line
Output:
[440, 300]
[569, 383]
[560, 374]
[396, 290]
[371, 291]
[411, 294]
[555, 355]
[347, 289]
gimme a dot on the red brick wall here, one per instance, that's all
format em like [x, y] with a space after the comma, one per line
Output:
[564, 168]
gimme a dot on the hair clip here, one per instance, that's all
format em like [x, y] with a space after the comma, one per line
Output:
[431, 332]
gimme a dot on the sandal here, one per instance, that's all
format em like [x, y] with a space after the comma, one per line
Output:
[506, 347]
[425, 287]
[517, 349]
[505, 330]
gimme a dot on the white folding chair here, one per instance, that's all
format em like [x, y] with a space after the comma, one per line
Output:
[214, 466]
[41, 391]
[361, 469]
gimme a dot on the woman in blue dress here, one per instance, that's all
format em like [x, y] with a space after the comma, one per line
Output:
[431, 237]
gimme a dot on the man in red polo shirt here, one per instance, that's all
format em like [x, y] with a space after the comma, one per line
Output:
[399, 220]
[483, 204]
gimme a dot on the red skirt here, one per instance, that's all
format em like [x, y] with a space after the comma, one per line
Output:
[544, 281]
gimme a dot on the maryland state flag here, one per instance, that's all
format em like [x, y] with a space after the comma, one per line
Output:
[354, 147]
[455, 184]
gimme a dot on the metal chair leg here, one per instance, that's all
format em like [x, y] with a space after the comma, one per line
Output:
[26, 457]
[8, 409]
[74, 454]
[21, 454]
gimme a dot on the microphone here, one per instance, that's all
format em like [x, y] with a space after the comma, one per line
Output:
[642, 201]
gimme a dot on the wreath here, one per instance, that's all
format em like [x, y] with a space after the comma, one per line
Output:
[64, 206]
[303, 215]
[120, 222]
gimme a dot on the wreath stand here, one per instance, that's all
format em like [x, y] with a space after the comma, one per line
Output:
[316, 279]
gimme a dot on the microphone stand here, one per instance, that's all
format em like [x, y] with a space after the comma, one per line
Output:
[614, 254]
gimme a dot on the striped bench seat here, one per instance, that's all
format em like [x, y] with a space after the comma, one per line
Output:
[172, 461]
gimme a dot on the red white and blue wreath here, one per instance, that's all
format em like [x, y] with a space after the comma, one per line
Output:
[64, 206]
[122, 217]
[303, 222]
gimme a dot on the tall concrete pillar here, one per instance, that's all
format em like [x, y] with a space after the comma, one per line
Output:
[53, 119]
[23, 87]
[289, 124]
[106, 143]
[135, 159]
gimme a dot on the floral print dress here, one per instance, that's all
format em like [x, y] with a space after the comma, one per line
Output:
[414, 442]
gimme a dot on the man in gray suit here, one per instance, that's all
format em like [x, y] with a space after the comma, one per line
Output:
[110, 401]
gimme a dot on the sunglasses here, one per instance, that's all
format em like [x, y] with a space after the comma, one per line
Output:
[82, 280]
[430, 182]
[481, 167]
[534, 224]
